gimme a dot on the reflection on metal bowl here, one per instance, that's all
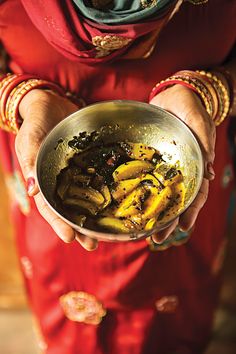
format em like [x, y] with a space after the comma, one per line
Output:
[117, 121]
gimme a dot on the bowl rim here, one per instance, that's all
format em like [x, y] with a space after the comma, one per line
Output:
[104, 236]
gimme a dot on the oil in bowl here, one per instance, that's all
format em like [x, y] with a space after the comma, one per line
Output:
[121, 187]
[119, 170]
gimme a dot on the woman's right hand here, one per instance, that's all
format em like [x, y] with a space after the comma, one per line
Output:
[41, 110]
[185, 104]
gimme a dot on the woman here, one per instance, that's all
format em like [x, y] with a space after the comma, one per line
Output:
[129, 297]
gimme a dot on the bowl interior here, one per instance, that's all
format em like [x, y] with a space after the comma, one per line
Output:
[121, 121]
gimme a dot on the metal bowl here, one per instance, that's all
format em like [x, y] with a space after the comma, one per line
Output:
[121, 121]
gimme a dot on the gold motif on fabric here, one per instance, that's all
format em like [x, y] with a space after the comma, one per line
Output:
[148, 3]
[106, 44]
[197, 2]
[167, 304]
[102, 52]
[82, 307]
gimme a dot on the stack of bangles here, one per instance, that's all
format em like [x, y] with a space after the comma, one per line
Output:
[214, 95]
[13, 87]
[208, 87]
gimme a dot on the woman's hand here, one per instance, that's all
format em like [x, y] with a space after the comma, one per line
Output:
[183, 103]
[41, 110]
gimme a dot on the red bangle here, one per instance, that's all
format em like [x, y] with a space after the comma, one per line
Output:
[8, 85]
[13, 120]
[13, 88]
[198, 88]
[204, 85]
[209, 88]
[167, 83]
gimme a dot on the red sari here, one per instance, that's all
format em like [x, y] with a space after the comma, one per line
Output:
[155, 302]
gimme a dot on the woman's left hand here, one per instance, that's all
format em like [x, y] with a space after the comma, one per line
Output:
[185, 104]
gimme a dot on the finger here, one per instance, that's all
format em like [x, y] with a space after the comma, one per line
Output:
[208, 139]
[162, 235]
[27, 144]
[86, 242]
[63, 230]
[40, 111]
[188, 218]
[189, 108]
[204, 127]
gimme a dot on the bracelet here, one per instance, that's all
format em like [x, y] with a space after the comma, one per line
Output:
[172, 80]
[12, 106]
[13, 87]
[222, 93]
[230, 81]
[209, 88]
[205, 86]
[7, 84]
[203, 93]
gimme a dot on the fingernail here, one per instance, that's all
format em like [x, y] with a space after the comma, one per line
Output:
[30, 184]
[210, 169]
[157, 239]
[181, 229]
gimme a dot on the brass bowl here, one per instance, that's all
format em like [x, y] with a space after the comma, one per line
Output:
[121, 121]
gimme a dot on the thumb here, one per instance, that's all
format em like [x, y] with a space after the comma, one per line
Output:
[27, 144]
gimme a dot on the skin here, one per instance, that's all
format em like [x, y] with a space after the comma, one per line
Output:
[42, 110]
[188, 107]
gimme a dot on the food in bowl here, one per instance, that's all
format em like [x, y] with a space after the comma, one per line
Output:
[119, 187]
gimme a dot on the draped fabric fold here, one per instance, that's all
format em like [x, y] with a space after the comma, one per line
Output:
[122, 11]
[80, 39]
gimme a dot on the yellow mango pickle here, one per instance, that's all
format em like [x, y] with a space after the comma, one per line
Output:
[156, 203]
[123, 188]
[131, 204]
[113, 224]
[131, 169]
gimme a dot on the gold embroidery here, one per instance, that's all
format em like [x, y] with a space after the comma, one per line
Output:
[102, 52]
[79, 306]
[197, 2]
[106, 44]
[148, 3]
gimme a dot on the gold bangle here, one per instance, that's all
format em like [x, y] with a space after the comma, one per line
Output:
[12, 105]
[223, 96]
[202, 92]
[173, 80]
[207, 87]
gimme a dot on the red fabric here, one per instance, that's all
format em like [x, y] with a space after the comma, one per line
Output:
[126, 277]
[71, 34]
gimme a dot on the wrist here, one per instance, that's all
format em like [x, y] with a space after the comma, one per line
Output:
[13, 88]
[209, 88]
[39, 96]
